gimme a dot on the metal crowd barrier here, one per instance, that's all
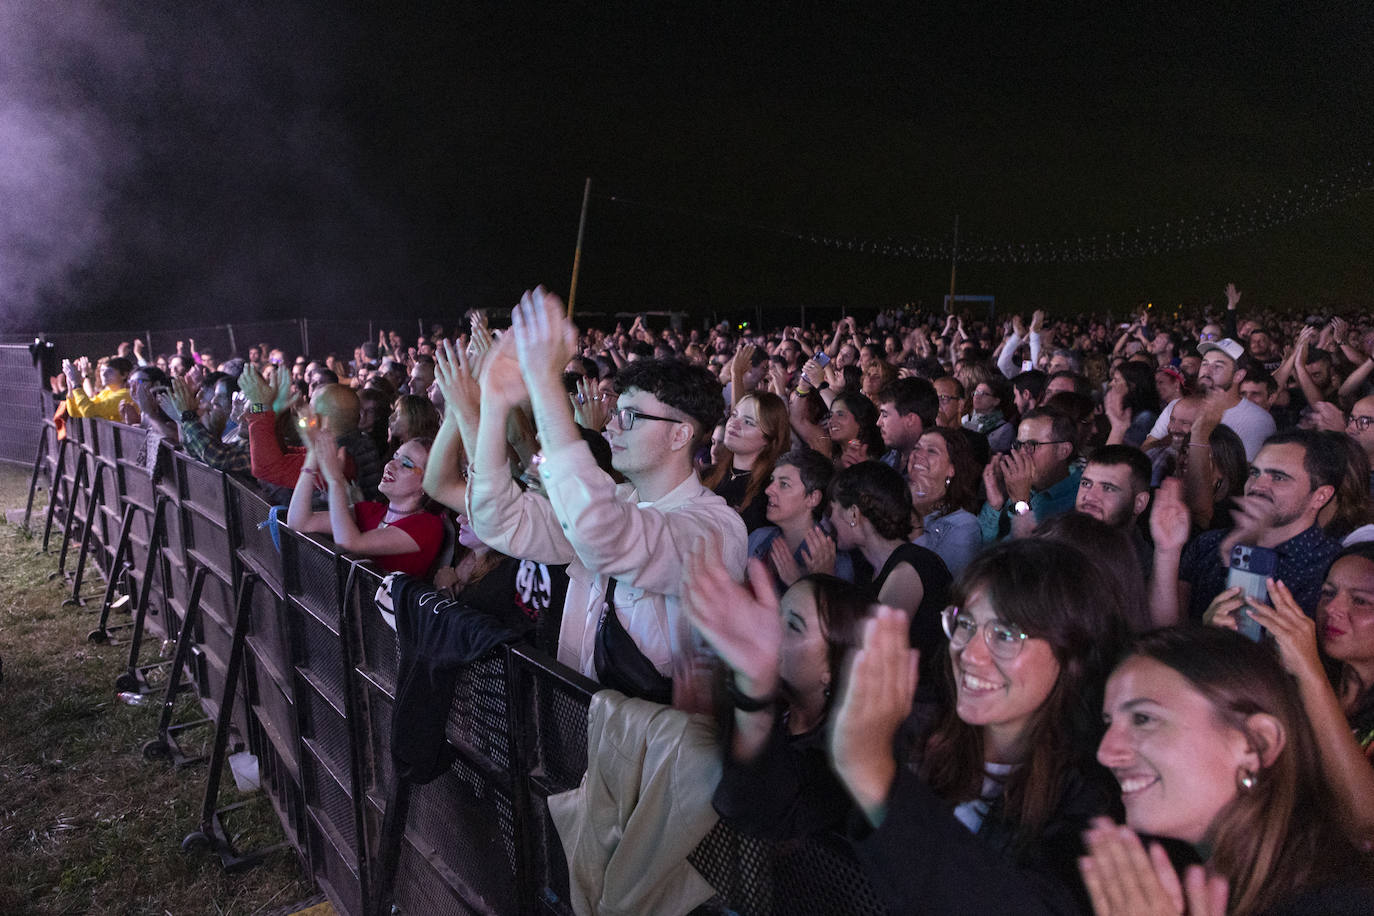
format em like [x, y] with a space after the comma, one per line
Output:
[288, 653]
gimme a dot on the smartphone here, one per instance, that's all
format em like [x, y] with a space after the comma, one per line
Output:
[822, 358]
[1250, 567]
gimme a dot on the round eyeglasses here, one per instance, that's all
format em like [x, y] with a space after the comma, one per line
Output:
[1003, 639]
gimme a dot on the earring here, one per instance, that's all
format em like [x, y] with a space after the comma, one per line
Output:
[1246, 779]
[948, 481]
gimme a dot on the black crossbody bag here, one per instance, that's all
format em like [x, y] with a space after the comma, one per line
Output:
[620, 664]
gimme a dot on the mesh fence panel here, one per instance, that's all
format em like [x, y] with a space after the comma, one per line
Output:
[328, 796]
[324, 728]
[333, 870]
[478, 718]
[319, 650]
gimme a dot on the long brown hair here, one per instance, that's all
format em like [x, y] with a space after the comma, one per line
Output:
[1053, 591]
[776, 427]
[1279, 836]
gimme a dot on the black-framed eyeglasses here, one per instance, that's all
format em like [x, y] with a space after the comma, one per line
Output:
[1360, 423]
[948, 398]
[1004, 640]
[1030, 445]
[626, 416]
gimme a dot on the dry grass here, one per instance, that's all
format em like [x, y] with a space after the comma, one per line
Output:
[87, 825]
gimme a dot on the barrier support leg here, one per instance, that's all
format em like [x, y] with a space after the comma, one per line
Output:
[166, 746]
[212, 834]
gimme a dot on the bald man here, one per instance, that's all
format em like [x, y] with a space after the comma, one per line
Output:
[337, 408]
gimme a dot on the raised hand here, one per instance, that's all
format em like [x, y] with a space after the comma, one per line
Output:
[1232, 296]
[590, 409]
[1118, 414]
[1018, 469]
[1037, 321]
[285, 398]
[741, 622]
[1170, 521]
[500, 376]
[820, 551]
[784, 564]
[1018, 326]
[1124, 880]
[544, 337]
[256, 388]
[462, 394]
[875, 698]
[1294, 632]
[993, 484]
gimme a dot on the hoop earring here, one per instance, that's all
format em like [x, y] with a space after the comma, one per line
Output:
[1246, 779]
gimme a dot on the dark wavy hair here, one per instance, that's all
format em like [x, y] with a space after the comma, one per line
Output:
[1055, 592]
[880, 494]
[680, 385]
[1141, 393]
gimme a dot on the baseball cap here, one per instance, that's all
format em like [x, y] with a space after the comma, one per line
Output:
[1225, 345]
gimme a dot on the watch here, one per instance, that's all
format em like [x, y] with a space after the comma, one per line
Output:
[1020, 507]
[259, 408]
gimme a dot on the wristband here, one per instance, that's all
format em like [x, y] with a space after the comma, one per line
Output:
[803, 390]
[743, 702]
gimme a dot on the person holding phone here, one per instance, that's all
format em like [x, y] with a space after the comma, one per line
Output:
[1292, 478]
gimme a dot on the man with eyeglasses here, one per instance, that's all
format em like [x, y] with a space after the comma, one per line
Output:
[1033, 482]
[625, 545]
[1360, 427]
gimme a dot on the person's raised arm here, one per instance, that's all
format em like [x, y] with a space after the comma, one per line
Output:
[544, 342]
[1351, 386]
[1310, 391]
[1169, 527]
[445, 478]
[1345, 768]
[343, 526]
[1293, 358]
[742, 624]
[1006, 363]
[299, 514]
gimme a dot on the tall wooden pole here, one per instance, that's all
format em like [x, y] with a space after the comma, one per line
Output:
[953, 264]
[577, 253]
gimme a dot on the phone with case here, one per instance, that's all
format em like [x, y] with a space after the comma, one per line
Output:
[1250, 568]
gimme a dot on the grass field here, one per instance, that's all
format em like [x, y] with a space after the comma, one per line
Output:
[87, 825]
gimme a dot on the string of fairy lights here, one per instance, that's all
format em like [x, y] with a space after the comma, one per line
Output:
[1177, 235]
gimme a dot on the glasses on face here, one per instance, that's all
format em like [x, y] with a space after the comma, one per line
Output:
[1360, 423]
[1030, 445]
[983, 393]
[626, 417]
[1003, 639]
[1206, 335]
[947, 398]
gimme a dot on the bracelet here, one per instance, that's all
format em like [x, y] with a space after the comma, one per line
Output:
[803, 390]
[744, 702]
[1199, 445]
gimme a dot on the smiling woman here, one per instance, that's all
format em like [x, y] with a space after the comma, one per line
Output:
[1005, 781]
[1208, 738]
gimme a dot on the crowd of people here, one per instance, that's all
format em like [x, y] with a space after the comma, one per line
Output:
[1073, 613]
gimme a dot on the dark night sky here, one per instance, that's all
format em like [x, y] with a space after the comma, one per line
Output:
[420, 158]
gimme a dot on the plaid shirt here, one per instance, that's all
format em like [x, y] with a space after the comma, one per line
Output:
[202, 446]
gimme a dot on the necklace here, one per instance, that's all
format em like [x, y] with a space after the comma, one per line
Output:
[736, 473]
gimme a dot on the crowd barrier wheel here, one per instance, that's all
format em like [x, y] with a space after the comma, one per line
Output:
[195, 843]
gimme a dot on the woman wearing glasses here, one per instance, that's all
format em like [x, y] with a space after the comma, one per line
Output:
[988, 814]
[400, 533]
